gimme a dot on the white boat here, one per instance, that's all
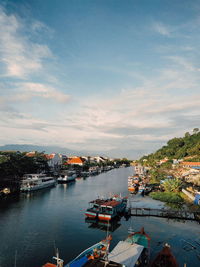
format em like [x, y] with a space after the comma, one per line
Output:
[68, 177]
[32, 182]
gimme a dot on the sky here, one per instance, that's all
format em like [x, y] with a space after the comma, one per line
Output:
[120, 77]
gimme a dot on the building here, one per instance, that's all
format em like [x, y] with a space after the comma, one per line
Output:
[75, 161]
[188, 164]
[54, 160]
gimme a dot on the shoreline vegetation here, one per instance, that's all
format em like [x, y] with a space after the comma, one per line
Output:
[166, 168]
[168, 197]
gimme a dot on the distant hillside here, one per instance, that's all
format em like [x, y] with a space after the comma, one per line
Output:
[178, 148]
[46, 149]
[114, 153]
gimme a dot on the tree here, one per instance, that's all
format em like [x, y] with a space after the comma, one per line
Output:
[195, 130]
[172, 185]
[187, 134]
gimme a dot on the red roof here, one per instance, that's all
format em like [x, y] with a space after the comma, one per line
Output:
[191, 163]
[75, 161]
[112, 203]
[49, 156]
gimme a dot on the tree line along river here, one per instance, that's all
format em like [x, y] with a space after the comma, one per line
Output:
[32, 225]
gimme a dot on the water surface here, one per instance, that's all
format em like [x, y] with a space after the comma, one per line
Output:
[32, 225]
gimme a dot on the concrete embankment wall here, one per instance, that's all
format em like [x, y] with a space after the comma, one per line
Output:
[188, 194]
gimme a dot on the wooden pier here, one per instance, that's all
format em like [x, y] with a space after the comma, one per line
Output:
[166, 213]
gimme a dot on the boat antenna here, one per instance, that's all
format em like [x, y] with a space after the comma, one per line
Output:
[108, 243]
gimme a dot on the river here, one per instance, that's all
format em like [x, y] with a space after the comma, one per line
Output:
[32, 225]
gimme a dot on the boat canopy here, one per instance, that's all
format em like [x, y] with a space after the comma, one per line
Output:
[138, 238]
[126, 253]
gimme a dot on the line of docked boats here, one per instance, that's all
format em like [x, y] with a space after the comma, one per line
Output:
[138, 184]
[133, 251]
[33, 182]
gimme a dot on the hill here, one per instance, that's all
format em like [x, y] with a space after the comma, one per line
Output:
[179, 148]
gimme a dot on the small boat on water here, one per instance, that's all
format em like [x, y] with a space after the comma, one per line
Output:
[133, 182]
[93, 210]
[66, 178]
[165, 258]
[106, 209]
[97, 251]
[134, 251]
[111, 209]
[33, 182]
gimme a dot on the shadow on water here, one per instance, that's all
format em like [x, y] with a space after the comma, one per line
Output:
[103, 225]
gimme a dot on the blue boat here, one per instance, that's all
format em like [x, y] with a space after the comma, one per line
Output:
[98, 250]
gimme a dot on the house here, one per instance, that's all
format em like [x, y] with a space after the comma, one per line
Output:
[75, 161]
[188, 164]
[31, 154]
[54, 160]
[162, 161]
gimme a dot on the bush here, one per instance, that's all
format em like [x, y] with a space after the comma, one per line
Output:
[170, 197]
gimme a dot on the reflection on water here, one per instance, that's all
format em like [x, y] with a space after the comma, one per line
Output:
[103, 225]
[33, 224]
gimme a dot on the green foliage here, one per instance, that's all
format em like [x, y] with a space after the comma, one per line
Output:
[172, 185]
[170, 197]
[177, 148]
[156, 175]
[15, 164]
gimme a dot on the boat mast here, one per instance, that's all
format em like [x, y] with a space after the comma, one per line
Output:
[59, 262]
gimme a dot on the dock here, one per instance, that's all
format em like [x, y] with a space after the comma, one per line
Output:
[166, 213]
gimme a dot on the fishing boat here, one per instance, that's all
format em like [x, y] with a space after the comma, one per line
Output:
[102, 263]
[165, 258]
[134, 251]
[32, 182]
[106, 209]
[141, 189]
[94, 207]
[133, 182]
[66, 178]
[111, 209]
[97, 251]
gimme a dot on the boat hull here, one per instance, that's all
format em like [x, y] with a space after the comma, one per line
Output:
[105, 217]
[38, 187]
[90, 214]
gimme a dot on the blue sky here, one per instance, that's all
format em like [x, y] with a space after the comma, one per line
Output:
[113, 76]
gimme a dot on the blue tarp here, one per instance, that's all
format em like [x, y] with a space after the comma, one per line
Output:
[197, 199]
[77, 263]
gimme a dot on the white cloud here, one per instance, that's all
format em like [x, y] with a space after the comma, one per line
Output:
[20, 56]
[162, 29]
[30, 90]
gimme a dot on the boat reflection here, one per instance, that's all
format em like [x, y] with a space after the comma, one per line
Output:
[110, 226]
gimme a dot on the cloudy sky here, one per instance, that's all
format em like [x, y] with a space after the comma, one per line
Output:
[99, 75]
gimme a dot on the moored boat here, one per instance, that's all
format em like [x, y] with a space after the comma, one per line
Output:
[134, 251]
[165, 258]
[33, 182]
[97, 251]
[66, 178]
[111, 209]
[133, 182]
[93, 211]
[106, 209]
